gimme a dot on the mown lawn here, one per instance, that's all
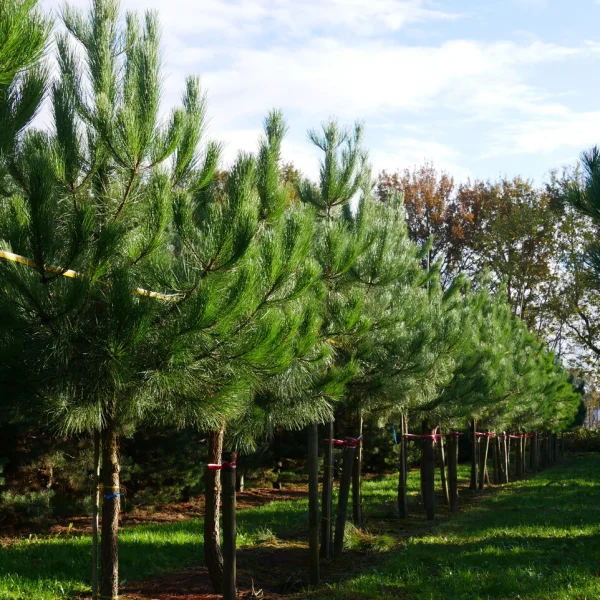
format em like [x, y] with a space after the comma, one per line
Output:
[535, 539]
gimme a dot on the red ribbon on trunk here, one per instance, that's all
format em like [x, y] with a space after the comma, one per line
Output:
[223, 465]
[352, 442]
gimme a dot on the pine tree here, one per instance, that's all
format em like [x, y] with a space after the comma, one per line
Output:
[242, 268]
[83, 314]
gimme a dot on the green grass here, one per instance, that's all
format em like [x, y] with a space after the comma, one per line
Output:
[53, 568]
[534, 540]
[537, 539]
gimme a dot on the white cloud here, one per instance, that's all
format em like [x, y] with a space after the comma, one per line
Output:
[232, 18]
[317, 58]
[406, 152]
[576, 130]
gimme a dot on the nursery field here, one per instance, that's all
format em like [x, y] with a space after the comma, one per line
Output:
[537, 538]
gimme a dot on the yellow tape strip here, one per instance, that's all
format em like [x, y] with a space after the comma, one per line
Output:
[10, 256]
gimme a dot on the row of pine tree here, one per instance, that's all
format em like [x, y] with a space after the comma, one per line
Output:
[140, 288]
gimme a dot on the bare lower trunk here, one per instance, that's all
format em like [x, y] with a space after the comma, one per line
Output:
[343, 495]
[533, 453]
[495, 461]
[506, 458]
[473, 484]
[313, 503]
[110, 511]
[428, 471]
[357, 516]
[543, 453]
[95, 513]
[518, 460]
[453, 472]
[212, 545]
[402, 495]
[326, 523]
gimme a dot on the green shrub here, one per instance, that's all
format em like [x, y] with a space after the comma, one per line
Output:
[30, 507]
[582, 440]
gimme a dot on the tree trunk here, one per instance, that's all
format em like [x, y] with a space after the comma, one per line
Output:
[428, 471]
[344, 493]
[229, 531]
[483, 465]
[402, 495]
[276, 447]
[239, 480]
[453, 472]
[473, 484]
[443, 471]
[506, 457]
[524, 455]
[533, 453]
[555, 441]
[495, 460]
[326, 522]
[518, 461]
[212, 545]
[357, 516]
[313, 504]
[110, 510]
[95, 512]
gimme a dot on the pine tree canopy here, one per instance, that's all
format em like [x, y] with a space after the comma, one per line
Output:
[153, 288]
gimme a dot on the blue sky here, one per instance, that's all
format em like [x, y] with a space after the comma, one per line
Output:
[481, 88]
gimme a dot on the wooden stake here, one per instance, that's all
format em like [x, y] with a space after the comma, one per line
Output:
[239, 480]
[443, 471]
[453, 472]
[229, 530]
[483, 465]
[326, 522]
[95, 512]
[313, 504]
[428, 471]
[357, 516]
